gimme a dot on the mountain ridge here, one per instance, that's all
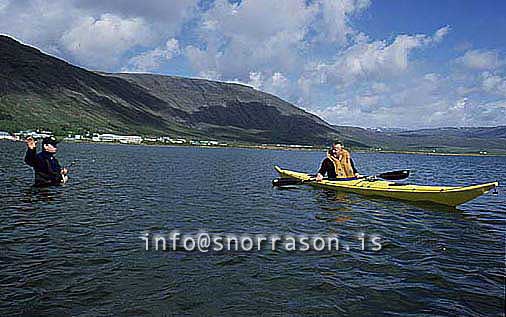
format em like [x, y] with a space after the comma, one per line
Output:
[41, 90]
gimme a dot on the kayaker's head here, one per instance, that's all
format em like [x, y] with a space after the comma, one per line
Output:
[337, 148]
[50, 145]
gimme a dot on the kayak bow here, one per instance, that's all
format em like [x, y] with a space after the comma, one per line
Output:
[445, 195]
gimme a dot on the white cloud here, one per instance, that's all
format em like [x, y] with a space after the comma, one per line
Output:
[250, 36]
[333, 22]
[481, 60]
[441, 33]
[419, 101]
[433, 77]
[369, 60]
[368, 100]
[494, 84]
[37, 23]
[169, 13]
[4, 4]
[279, 81]
[151, 60]
[202, 62]
[269, 36]
[258, 20]
[255, 80]
[276, 84]
[101, 42]
[69, 29]
[491, 113]
[209, 74]
[366, 59]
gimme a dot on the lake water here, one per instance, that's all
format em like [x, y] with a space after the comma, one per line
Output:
[77, 249]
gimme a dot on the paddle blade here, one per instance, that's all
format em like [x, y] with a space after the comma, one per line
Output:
[395, 175]
[285, 182]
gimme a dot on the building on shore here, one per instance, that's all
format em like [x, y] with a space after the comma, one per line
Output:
[166, 139]
[207, 143]
[34, 134]
[151, 139]
[7, 136]
[73, 138]
[127, 139]
[178, 141]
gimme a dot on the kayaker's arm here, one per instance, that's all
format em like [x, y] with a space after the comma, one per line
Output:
[353, 166]
[326, 168]
[31, 151]
[31, 157]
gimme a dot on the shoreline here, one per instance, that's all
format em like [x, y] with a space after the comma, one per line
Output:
[303, 149]
[380, 152]
[288, 148]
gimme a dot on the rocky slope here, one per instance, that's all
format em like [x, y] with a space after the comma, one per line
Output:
[41, 91]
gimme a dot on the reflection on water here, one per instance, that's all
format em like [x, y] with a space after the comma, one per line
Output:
[75, 249]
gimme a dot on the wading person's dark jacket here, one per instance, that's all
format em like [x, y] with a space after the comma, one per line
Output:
[328, 168]
[46, 167]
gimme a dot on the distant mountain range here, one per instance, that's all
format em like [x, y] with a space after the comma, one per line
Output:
[464, 139]
[41, 91]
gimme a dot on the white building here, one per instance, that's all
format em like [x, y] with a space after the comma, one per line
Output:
[167, 139]
[33, 134]
[6, 136]
[107, 137]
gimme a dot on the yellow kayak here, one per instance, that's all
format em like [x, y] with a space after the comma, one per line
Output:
[445, 195]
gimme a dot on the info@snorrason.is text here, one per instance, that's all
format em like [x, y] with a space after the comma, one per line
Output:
[203, 241]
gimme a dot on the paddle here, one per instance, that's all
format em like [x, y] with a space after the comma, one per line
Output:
[391, 176]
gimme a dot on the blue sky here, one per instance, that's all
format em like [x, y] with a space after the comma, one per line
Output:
[411, 64]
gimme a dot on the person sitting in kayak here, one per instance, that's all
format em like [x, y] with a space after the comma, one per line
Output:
[47, 170]
[338, 164]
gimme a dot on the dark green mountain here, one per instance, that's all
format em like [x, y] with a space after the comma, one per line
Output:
[41, 91]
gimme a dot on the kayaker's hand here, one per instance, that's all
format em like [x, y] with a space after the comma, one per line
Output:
[319, 177]
[64, 171]
[31, 143]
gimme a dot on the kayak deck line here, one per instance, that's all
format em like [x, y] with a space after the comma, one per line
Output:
[446, 195]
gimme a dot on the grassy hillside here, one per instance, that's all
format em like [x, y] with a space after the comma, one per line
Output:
[41, 91]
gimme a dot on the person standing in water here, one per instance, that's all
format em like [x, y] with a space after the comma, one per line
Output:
[48, 171]
[338, 164]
